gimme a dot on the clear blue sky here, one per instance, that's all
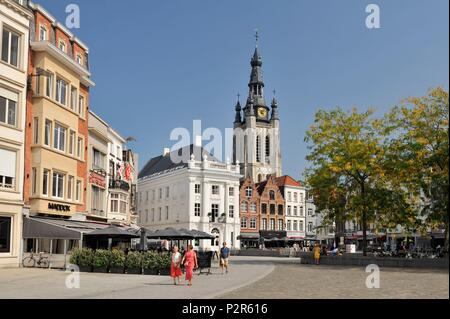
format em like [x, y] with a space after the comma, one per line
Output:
[161, 64]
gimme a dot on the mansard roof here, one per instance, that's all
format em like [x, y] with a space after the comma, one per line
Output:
[164, 163]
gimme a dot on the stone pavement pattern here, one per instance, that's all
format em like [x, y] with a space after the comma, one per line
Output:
[249, 277]
[324, 282]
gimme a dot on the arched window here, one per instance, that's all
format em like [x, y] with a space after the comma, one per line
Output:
[244, 222]
[260, 178]
[258, 149]
[272, 195]
[267, 149]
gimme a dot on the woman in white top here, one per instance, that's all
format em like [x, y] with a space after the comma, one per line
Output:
[175, 268]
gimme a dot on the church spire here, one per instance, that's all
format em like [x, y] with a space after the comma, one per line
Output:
[238, 118]
[256, 83]
[275, 114]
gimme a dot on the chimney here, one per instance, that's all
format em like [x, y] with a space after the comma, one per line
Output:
[198, 141]
[166, 151]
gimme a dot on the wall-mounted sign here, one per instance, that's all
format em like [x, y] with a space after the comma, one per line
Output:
[59, 207]
[97, 179]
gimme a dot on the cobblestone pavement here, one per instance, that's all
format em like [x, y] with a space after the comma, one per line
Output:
[323, 282]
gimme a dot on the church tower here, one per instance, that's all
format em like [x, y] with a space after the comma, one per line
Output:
[256, 144]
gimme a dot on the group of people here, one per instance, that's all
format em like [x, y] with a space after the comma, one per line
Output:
[190, 262]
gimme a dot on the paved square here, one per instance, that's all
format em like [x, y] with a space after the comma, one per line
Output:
[249, 277]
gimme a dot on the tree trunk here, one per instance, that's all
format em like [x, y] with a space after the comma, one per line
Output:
[364, 219]
[446, 238]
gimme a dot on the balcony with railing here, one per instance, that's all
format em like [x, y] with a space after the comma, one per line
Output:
[119, 184]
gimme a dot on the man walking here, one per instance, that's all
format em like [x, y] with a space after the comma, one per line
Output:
[224, 257]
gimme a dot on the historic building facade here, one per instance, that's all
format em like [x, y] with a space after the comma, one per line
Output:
[256, 142]
[57, 115]
[272, 206]
[250, 214]
[97, 195]
[295, 205]
[14, 37]
[196, 193]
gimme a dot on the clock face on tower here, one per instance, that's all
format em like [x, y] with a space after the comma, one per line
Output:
[262, 112]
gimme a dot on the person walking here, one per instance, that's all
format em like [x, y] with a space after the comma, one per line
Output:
[316, 252]
[175, 267]
[190, 263]
[224, 257]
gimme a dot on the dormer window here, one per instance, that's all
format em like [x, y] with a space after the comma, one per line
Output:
[79, 59]
[43, 33]
[62, 46]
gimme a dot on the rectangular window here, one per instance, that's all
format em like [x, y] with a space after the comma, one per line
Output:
[98, 159]
[301, 211]
[43, 33]
[146, 197]
[310, 227]
[253, 207]
[167, 192]
[123, 203]
[45, 180]
[8, 107]
[214, 211]
[48, 132]
[289, 225]
[159, 213]
[78, 196]
[153, 214]
[72, 143]
[96, 201]
[35, 130]
[79, 59]
[197, 210]
[272, 209]
[231, 191]
[264, 223]
[231, 211]
[10, 47]
[61, 91]
[7, 169]
[310, 212]
[153, 194]
[62, 46]
[253, 223]
[295, 225]
[33, 181]
[160, 193]
[295, 197]
[244, 222]
[215, 189]
[81, 105]
[280, 225]
[289, 196]
[49, 86]
[289, 210]
[295, 210]
[59, 138]
[114, 203]
[146, 215]
[244, 206]
[5, 234]
[197, 188]
[58, 185]
[272, 224]
[301, 226]
[73, 98]
[167, 212]
[70, 187]
[264, 209]
[80, 148]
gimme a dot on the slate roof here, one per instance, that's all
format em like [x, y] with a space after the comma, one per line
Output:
[163, 163]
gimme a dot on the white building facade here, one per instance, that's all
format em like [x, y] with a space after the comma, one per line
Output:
[198, 194]
[14, 40]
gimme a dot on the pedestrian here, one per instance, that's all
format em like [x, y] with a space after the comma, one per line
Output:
[190, 263]
[316, 252]
[224, 257]
[175, 267]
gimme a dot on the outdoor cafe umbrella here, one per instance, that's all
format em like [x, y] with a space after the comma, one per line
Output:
[112, 232]
[171, 234]
[198, 234]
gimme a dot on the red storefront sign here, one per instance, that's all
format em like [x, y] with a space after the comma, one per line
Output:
[97, 179]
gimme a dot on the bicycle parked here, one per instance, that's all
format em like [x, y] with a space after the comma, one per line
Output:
[36, 260]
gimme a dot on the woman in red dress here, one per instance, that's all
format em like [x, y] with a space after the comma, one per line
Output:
[190, 262]
[175, 267]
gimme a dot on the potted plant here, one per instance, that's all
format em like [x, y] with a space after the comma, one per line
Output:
[150, 263]
[116, 261]
[83, 258]
[101, 260]
[164, 264]
[133, 263]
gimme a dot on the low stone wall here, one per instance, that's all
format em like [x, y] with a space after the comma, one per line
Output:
[359, 260]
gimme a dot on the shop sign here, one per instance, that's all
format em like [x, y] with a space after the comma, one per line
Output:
[97, 179]
[59, 207]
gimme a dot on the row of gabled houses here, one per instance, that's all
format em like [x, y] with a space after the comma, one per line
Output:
[61, 165]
